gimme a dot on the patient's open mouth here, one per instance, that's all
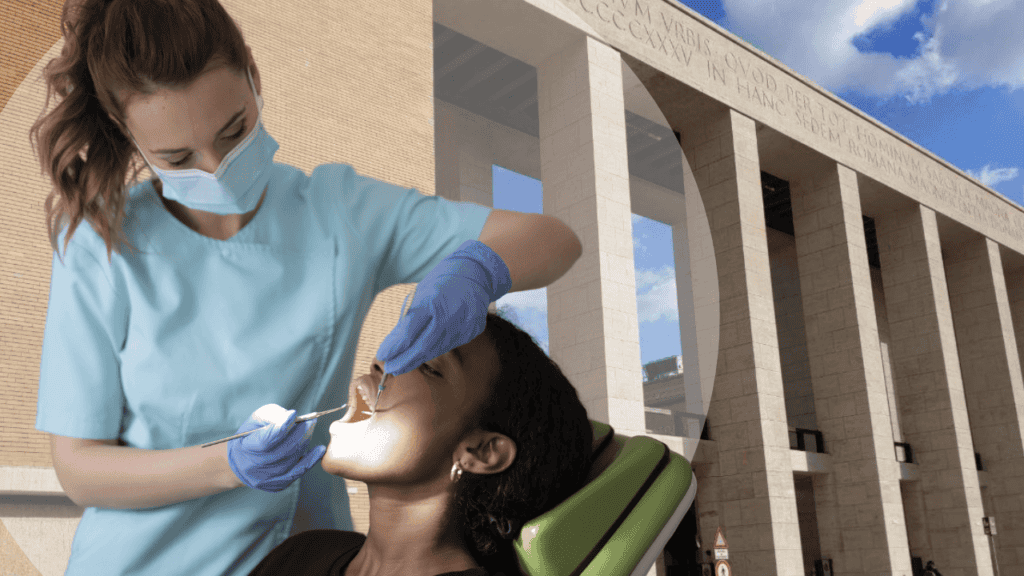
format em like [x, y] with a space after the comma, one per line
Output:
[359, 403]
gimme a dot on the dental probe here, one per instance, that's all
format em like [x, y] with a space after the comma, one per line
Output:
[302, 418]
[380, 386]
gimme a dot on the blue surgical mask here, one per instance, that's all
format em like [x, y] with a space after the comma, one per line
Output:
[240, 179]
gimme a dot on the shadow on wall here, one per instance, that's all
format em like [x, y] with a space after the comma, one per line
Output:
[36, 534]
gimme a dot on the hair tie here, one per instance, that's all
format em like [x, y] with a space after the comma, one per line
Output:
[508, 530]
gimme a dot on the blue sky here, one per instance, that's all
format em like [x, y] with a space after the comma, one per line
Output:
[947, 75]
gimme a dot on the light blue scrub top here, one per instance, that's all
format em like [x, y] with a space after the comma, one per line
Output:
[177, 344]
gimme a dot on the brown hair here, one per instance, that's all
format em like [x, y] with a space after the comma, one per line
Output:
[114, 47]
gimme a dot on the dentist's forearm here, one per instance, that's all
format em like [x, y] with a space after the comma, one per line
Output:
[102, 474]
[537, 249]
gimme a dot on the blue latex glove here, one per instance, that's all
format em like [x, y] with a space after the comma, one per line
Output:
[449, 308]
[274, 457]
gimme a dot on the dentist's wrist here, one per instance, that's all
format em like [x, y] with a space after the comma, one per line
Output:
[227, 477]
[498, 278]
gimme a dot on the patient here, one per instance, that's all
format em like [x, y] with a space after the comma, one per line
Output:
[460, 453]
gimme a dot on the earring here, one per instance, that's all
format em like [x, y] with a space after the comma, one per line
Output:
[508, 530]
[456, 470]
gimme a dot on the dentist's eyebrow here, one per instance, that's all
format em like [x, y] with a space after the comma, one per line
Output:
[226, 126]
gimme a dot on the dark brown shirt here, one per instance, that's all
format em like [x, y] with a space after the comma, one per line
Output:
[324, 553]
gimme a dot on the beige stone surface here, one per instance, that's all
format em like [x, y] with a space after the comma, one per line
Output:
[992, 385]
[754, 494]
[860, 512]
[29, 480]
[13, 560]
[586, 185]
[1013, 265]
[928, 382]
[38, 530]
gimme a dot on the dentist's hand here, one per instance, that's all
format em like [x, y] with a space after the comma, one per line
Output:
[449, 308]
[274, 457]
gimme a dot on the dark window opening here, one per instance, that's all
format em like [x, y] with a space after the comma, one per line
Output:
[778, 214]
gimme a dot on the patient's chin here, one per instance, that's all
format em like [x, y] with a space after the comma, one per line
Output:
[347, 442]
[333, 465]
[348, 434]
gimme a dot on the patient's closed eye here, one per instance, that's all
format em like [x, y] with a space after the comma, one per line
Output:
[432, 371]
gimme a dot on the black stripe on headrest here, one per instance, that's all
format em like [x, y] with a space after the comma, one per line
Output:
[665, 457]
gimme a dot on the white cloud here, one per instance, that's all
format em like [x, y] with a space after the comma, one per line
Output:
[984, 39]
[536, 300]
[656, 294]
[871, 13]
[969, 43]
[991, 176]
[530, 312]
[927, 75]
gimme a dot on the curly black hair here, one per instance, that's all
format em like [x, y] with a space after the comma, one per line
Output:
[534, 404]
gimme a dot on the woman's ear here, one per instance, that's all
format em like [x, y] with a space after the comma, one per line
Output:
[255, 72]
[119, 124]
[486, 452]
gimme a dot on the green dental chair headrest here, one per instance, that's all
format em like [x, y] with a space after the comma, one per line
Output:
[618, 523]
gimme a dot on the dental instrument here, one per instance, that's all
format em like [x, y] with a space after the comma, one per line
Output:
[380, 386]
[302, 418]
[312, 415]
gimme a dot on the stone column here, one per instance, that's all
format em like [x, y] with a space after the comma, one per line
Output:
[914, 514]
[686, 305]
[991, 371]
[860, 510]
[592, 321]
[476, 174]
[1015, 292]
[464, 162]
[749, 491]
[927, 379]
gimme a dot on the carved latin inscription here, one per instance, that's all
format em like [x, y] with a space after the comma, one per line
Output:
[694, 53]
